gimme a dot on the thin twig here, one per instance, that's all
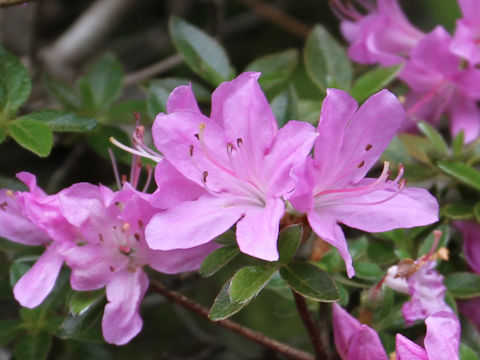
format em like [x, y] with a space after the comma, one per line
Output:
[152, 70]
[310, 325]
[5, 3]
[278, 17]
[233, 326]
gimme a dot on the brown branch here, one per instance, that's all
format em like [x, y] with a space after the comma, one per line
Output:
[5, 3]
[310, 325]
[152, 70]
[255, 336]
[278, 17]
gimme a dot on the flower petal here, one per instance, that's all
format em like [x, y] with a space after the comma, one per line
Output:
[408, 350]
[442, 340]
[464, 115]
[182, 98]
[257, 231]
[344, 326]
[191, 223]
[471, 242]
[121, 319]
[38, 282]
[366, 345]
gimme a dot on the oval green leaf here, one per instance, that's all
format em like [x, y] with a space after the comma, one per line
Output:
[62, 121]
[461, 172]
[249, 281]
[310, 281]
[463, 285]
[33, 135]
[34, 346]
[285, 106]
[15, 82]
[373, 81]
[288, 242]
[223, 307]
[218, 259]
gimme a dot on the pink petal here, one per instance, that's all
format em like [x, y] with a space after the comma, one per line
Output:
[191, 223]
[408, 350]
[344, 327]
[121, 320]
[257, 231]
[443, 336]
[180, 260]
[471, 310]
[463, 43]
[471, 242]
[366, 345]
[411, 207]
[326, 227]
[182, 98]
[38, 282]
[464, 115]
[31, 181]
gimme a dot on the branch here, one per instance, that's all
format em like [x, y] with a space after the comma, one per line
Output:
[233, 326]
[152, 70]
[5, 3]
[278, 17]
[310, 325]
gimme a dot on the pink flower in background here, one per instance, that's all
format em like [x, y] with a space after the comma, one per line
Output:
[241, 160]
[470, 231]
[439, 85]
[466, 41]
[383, 35]
[332, 186]
[441, 341]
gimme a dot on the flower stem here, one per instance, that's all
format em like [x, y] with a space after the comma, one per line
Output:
[255, 336]
[310, 325]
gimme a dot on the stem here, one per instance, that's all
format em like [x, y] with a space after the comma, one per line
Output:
[5, 3]
[310, 325]
[230, 325]
[153, 70]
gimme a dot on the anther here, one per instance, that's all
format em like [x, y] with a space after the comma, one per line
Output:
[125, 227]
[361, 163]
[204, 176]
[368, 147]
[190, 150]
[9, 193]
[239, 142]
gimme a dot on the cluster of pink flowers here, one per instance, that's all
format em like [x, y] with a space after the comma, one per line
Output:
[235, 167]
[440, 70]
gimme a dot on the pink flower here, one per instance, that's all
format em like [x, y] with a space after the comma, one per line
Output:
[332, 187]
[355, 341]
[471, 310]
[470, 231]
[466, 41]
[240, 159]
[382, 36]
[441, 341]
[439, 85]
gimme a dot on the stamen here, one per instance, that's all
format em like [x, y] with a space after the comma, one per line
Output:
[10, 193]
[149, 178]
[141, 150]
[400, 187]
[115, 168]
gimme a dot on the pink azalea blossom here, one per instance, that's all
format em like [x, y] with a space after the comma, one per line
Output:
[332, 186]
[383, 35]
[239, 158]
[356, 341]
[466, 41]
[439, 85]
[471, 310]
[441, 341]
[470, 231]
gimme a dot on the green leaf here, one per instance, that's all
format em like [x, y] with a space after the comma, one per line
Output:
[9, 330]
[458, 211]
[310, 281]
[309, 111]
[62, 121]
[285, 106]
[202, 53]
[288, 242]
[20, 267]
[461, 172]
[104, 81]
[380, 252]
[159, 91]
[15, 80]
[438, 142]
[249, 281]
[80, 302]
[223, 307]
[218, 259]
[476, 211]
[227, 238]
[33, 346]
[457, 143]
[33, 135]
[84, 327]
[98, 139]
[326, 61]
[62, 93]
[373, 81]
[463, 285]
[368, 270]
[467, 353]
[275, 68]
[417, 146]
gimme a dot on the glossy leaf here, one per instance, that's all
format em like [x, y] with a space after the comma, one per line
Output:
[461, 172]
[9, 330]
[285, 106]
[288, 242]
[467, 353]
[463, 285]
[326, 61]
[223, 307]
[203, 54]
[368, 270]
[80, 302]
[62, 121]
[458, 211]
[310, 281]
[275, 68]
[249, 281]
[85, 326]
[373, 81]
[438, 142]
[417, 146]
[218, 259]
[457, 143]
[20, 267]
[123, 113]
[33, 135]
[380, 252]
[15, 82]
[63, 93]
[33, 346]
